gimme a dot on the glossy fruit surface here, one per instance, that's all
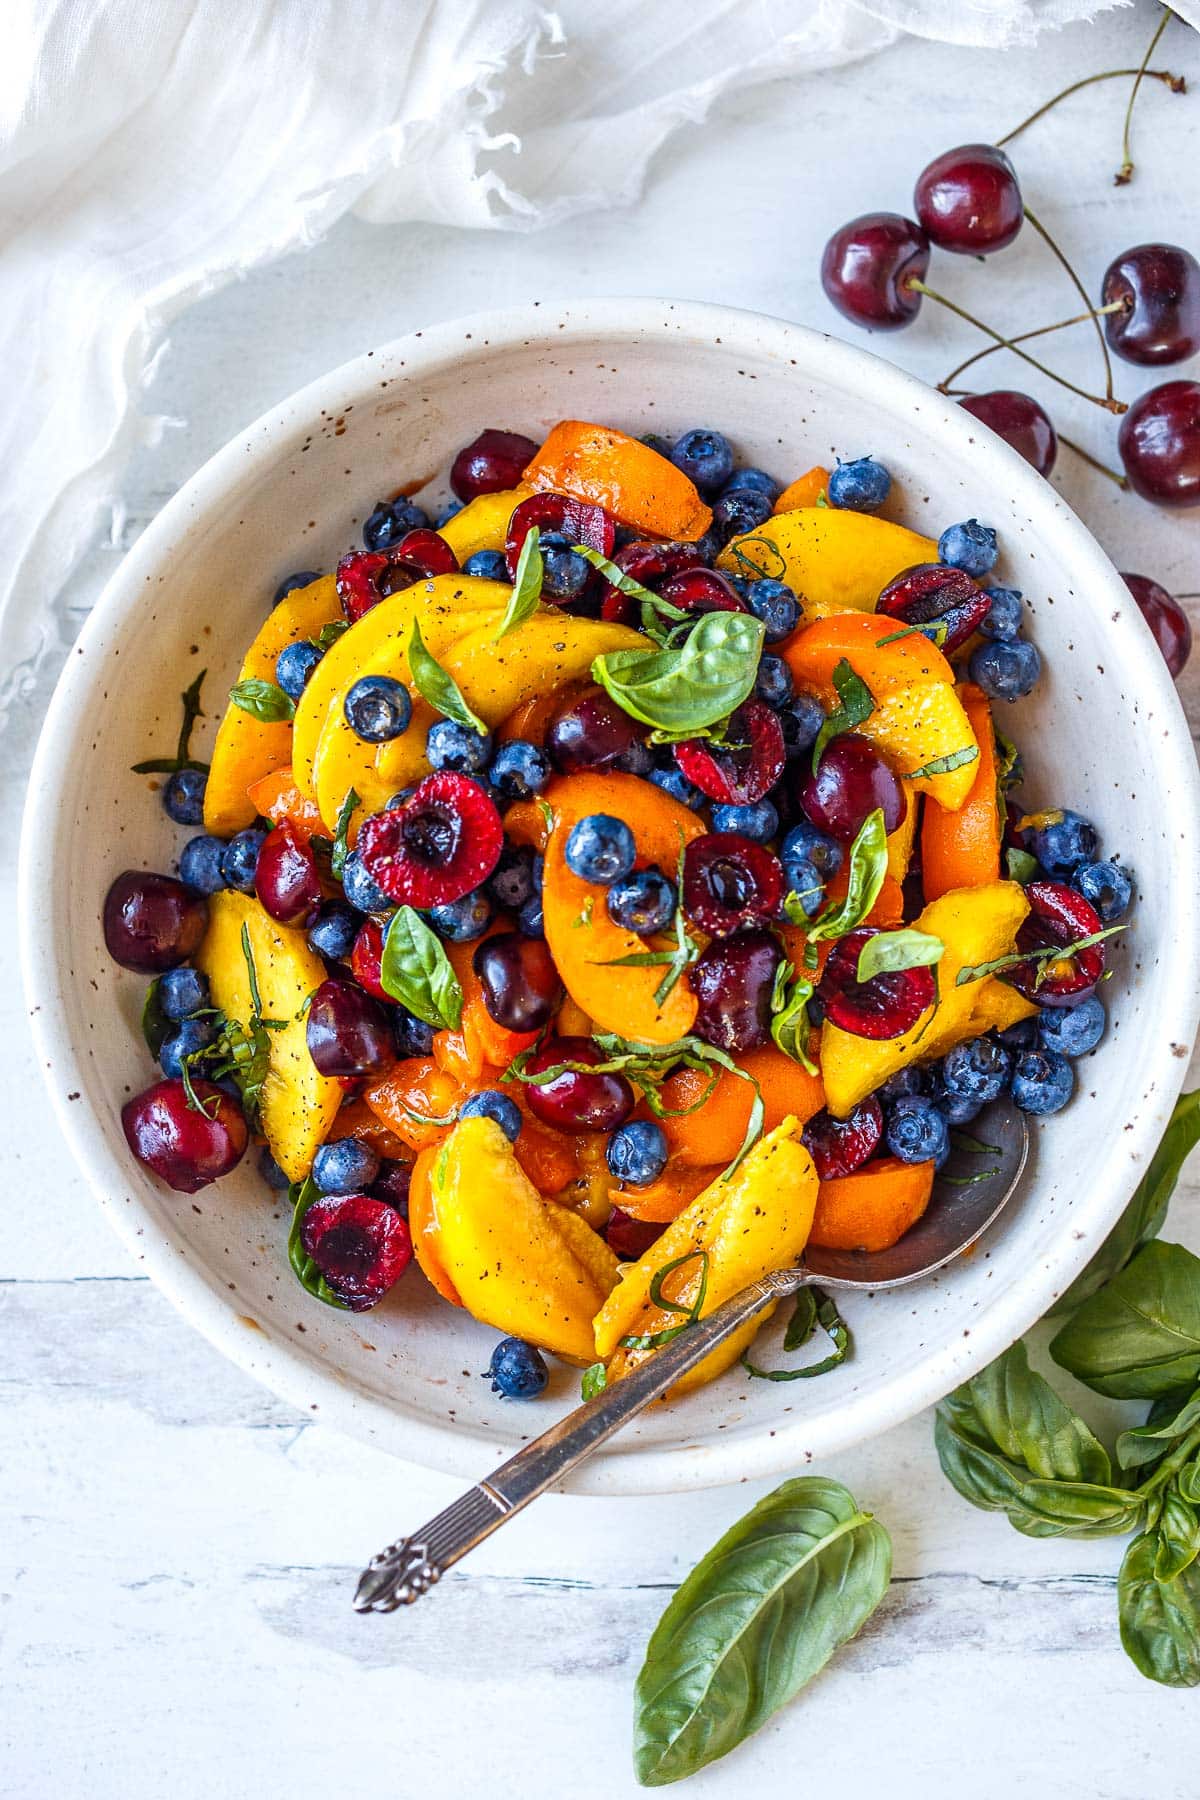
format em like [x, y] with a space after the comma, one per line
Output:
[1058, 915]
[366, 959]
[934, 594]
[918, 1129]
[839, 1146]
[590, 731]
[362, 1247]
[851, 780]
[744, 773]
[1159, 285]
[377, 708]
[1020, 421]
[419, 555]
[286, 878]
[1166, 618]
[702, 590]
[521, 987]
[577, 1099]
[344, 1166]
[575, 521]
[1043, 1082]
[152, 922]
[491, 463]
[517, 1369]
[644, 902]
[730, 882]
[391, 520]
[733, 980]
[490, 1103]
[347, 1032]
[886, 1006]
[184, 1146]
[629, 1238]
[1159, 442]
[637, 1152]
[705, 456]
[859, 486]
[866, 265]
[442, 842]
[969, 200]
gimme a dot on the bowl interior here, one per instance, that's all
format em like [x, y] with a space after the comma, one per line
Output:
[1104, 733]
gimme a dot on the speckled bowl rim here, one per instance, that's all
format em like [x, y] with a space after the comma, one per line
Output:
[297, 1378]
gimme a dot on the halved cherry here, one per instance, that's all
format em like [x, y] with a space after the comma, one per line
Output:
[751, 765]
[702, 590]
[650, 564]
[886, 1006]
[575, 520]
[730, 882]
[366, 577]
[839, 1146]
[366, 960]
[935, 594]
[1058, 915]
[361, 1245]
[443, 841]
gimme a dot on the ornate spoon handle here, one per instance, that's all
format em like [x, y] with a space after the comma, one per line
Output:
[407, 1568]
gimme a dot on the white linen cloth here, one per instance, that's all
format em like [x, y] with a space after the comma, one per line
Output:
[151, 150]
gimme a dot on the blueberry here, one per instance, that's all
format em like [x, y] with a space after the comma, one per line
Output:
[959, 1110]
[360, 890]
[512, 881]
[460, 921]
[293, 666]
[637, 760]
[345, 1166]
[458, 748]
[565, 573]
[1043, 1082]
[909, 1080]
[301, 579]
[1064, 843]
[490, 1103]
[705, 457]
[446, 512]
[917, 1130]
[804, 843]
[378, 709]
[774, 682]
[673, 781]
[807, 883]
[518, 1370]
[775, 604]
[182, 992]
[1004, 620]
[183, 796]
[642, 902]
[637, 1152]
[272, 1174]
[390, 521]
[491, 564]
[392, 1184]
[1108, 887]
[1007, 669]
[969, 546]
[413, 1036]
[519, 770]
[239, 860]
[739, 510]
[200, 864]
[758, 822]
[334, 930]
[801, 722]
[531, 921]
[600, 848]
[977, 1070]
[860, 486]
[757, 479]
[1072, 1030]
[1021, 1036]
[192, 1036]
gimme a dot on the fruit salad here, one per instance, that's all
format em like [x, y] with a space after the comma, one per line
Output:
[601, 894]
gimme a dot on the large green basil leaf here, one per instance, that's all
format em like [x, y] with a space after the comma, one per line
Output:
[263, 700]
[889, 951]
[1021, 1414]
[526, 594]
[693, 684]
[415, 970]
[754, 1621]
[855, 705]
[1146, 1443]
[1178, 1529]
[1143, 1217]
[864, 877]
[1139, 1336]
[1160, 1620]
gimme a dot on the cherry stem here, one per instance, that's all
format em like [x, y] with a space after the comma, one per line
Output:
[919, 287]
[1125, 173]
[1087, 457]
[1023, 337]
[1083, 295]
[1176, 83]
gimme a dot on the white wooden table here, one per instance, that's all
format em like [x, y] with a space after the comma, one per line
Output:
[177, 1548]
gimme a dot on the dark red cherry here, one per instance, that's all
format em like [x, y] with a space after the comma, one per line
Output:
[152, 922]
[577, 1100]
[1058, 915]
[730, 882]
[852, 779]
[361, 1245]
[1020, 421]
[745, 771]
[590, 731]
[366, 577]
[366, 960]
[886, 1006]
[969, 200]
[392, 1184]
[702, 590]
[649, 564]
[866, 268]
[630, 1238]
[347, 1032]
[936, 594]
[286, 878]
[1165, 617]
[491, 463]
[575, 520]
[184, 1145]
[839, 1146]
[1159, 442]
[521, 986]
[1159, 285]
[444, 841]
[734, 980]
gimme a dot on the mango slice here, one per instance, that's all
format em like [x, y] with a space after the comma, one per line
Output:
[834, 561]
[873, 1208]
[483, 522]
[298, 1104]
[962, 849]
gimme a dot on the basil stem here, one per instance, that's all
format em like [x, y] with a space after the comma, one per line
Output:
[183, 758]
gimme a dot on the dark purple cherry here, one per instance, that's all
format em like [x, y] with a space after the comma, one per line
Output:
[936, 594]
[152, 922]
[733, 981]
[521, 986]
[493, 462]
[590, 731]
[1165, 617]
[1058, 915]
[1159, 285]
[629, 1238]
[286, 878]
[839, 1146]
[576, 1099]
[184, 1145]
[1020, 421]
[852, 779]
[1159, 442]
[867, 265]
[969, 200]
[361, 1245]
[743, 774]
[730, 882]
[348, 1033]
[886, 1006]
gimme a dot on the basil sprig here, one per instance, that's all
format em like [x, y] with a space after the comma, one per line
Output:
[790, 1023]
[183, 758]
[415, 970]
[888, 952]
[689, 686]
[855, 705]
[758, 1617]
[813, 1307]
[1139, 1336]
[264, 701]
[240, 1052]
[1160, 1613]
[302, 1195]
[435, 685]
[526, 594]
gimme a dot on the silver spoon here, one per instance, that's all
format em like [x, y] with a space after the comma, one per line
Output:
[972, 1189]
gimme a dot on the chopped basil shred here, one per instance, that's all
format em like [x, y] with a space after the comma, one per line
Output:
[855, 705]
[527, 584]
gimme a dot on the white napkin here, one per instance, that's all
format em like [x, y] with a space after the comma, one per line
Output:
[151, 150]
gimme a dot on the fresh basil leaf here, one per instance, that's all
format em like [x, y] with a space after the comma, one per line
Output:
[945, 765]
[329, 634]
[1051, 953]
[593, 1381]
[264, 701]
[156, 1027]
[1178, 1529]
[1139, 1336]
[189, 700]
[415, 970]
[527, 585]
[856, 703]
[653, 1340]
[1147, 1443]
[890, 951]
[821, 1310]
[865, 874]
[1030, 1424]
[691, 685]
[758, 1617]
[790, 1023]
[658, 615]
[1160, 1620]
[440, 689]
[341, 848]
[1188, 1480]
[302, 1195]
[1020, 865]
[772, 561]
[803, 1323]
[1143, 1217]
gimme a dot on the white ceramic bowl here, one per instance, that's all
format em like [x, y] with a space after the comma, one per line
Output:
[1104, 733]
